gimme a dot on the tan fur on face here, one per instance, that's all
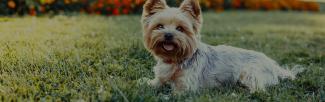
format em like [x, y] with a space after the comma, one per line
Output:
[153, 6]
[171, 18]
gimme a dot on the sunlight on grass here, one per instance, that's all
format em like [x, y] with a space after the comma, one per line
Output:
[73, 57]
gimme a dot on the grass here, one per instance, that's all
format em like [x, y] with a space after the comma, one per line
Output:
[84, 58]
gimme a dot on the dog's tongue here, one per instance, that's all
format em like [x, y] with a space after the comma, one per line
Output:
[168, 47]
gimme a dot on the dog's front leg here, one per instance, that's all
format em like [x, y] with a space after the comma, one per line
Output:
[163, 72]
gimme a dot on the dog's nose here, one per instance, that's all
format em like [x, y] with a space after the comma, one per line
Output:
[168, 36]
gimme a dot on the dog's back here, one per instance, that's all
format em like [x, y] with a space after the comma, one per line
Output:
[222, 65]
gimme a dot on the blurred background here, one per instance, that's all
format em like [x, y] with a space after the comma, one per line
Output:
[121, 7]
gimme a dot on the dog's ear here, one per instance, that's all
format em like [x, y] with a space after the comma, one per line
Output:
[193, 8]
[153, 6]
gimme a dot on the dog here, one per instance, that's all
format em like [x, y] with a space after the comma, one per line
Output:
[172, 36]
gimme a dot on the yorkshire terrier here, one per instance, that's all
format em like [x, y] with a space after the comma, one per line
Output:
[172, 36]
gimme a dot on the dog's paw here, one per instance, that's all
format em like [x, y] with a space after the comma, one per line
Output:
[154, 83]
[143, 81]
[146, 81]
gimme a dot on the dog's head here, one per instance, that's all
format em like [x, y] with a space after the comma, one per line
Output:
[171, 33]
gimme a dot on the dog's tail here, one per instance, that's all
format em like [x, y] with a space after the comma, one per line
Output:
[291, 73]
[297, 69]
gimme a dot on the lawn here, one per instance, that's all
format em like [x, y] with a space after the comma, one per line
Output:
[83, 58]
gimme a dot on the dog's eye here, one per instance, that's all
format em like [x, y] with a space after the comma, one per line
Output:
[159, 26]
[180, 28]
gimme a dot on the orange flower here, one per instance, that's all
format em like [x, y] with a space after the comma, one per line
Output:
[42, 9]
[117, 3]
[269, 5]
[252, 4]
[235, 3]
[100, 5]
[109, 1]
[11, 4]
[126, 2]
[32, 11]
[82, 11]
[49, 1]
[67, 1]
[82, 1]
[294, 4]
[207, 3]
[284, 4]
[98, 12]
[139, 2]
[219, 9]
[311, 6]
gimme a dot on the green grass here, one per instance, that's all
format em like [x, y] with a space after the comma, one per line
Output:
[98, 58]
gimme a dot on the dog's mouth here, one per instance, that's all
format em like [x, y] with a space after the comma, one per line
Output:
[168, 46]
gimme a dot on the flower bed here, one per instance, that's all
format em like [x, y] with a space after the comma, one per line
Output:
[118, 7]
[298, 5]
